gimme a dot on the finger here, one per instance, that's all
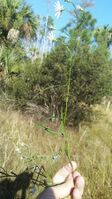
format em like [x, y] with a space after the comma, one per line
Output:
[61, 175]
[63, 190]
[76, 194]
[79, 184]
[75, 174]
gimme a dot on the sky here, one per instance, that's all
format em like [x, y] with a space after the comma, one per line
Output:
[102, 11]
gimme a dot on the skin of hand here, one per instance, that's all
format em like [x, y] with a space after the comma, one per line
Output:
[67, 182]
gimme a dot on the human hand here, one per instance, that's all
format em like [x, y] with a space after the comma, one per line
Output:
[68, 182]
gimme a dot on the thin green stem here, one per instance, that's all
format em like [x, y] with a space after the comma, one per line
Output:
[67, 96]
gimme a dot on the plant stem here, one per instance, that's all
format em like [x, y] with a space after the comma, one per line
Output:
[67, 96]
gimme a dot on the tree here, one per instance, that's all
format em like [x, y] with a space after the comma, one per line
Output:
[17, 23]
[16, 17]
[87, 71]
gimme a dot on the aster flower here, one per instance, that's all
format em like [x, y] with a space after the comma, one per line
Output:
[58, 9]
[79, 8]
[55, 157]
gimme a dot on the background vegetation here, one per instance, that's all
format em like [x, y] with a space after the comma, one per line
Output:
[75, 74]
[57, 97]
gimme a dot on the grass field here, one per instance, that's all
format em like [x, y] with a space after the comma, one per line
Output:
[23, 143]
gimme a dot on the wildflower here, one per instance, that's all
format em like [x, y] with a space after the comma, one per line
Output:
[55, 157]
[79, 8]
[51, 36]
[58, 9]
[13, 35]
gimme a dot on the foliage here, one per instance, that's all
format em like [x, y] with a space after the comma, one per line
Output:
[84, 70]
[17, 24]
[71, 76]
[22, 84]
[17, 15]
[53, 80]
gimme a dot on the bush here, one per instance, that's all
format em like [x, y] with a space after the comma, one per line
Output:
[21, 85]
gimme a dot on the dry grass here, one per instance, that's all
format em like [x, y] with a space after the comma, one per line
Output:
[23, 144]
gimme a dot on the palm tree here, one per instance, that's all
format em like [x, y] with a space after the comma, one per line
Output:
[17, 19]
